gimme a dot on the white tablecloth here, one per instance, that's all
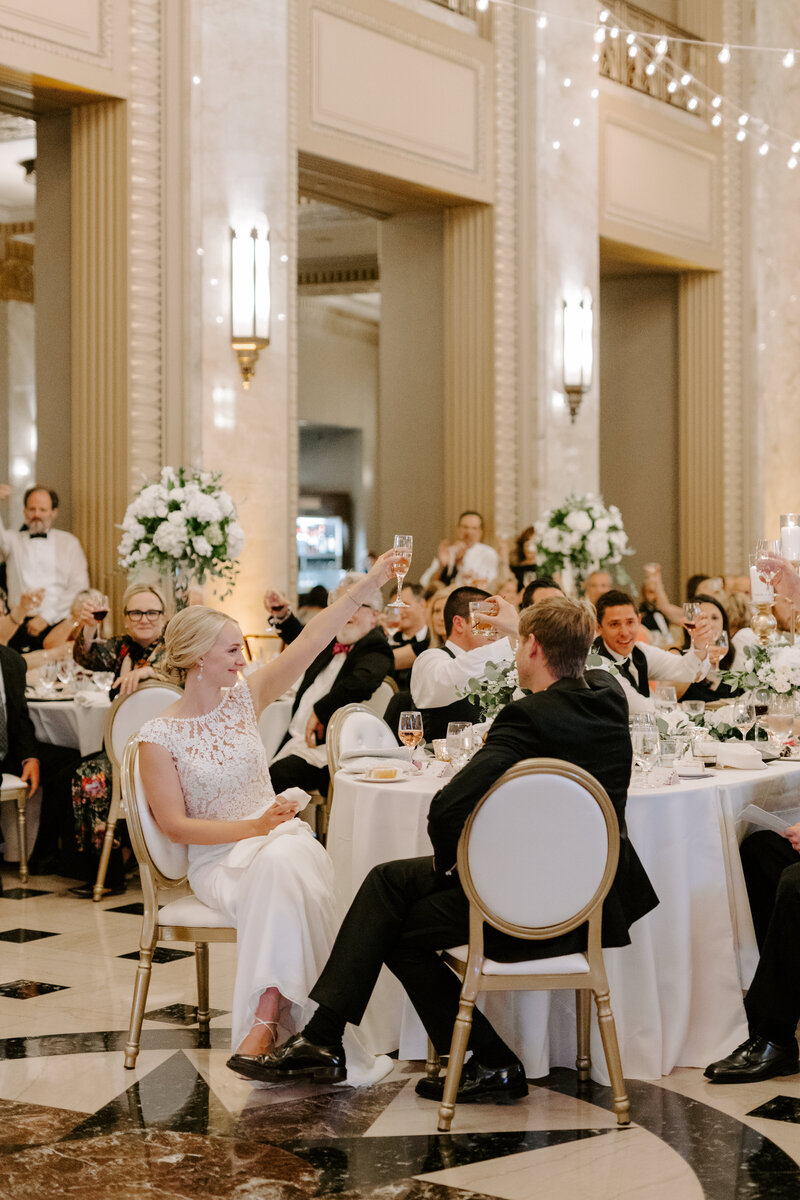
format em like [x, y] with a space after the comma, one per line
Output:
[676, 990]
[66, 723]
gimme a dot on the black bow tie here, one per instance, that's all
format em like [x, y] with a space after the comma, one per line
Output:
[35, 535]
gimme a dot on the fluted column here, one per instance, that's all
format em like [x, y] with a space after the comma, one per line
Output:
[99, 334]
[469, 362]
[701, 401]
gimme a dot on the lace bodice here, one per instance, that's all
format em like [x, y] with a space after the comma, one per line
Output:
[219, 757]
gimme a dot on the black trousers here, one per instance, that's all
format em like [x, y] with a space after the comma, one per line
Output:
[402, 914]
[773, 1001]
[765, 856]
[294, 771]
[56, 822]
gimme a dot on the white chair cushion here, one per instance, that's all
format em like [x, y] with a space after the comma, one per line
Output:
[538, 850]
[171, 858]
[564, 964]
[12, 783]
[140, 706]
[364, 731]
[188, 910]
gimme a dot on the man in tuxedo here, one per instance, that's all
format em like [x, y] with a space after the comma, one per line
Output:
[467, 560]
[637, 663]
[346, 672]
[34, 762]
[406, 911]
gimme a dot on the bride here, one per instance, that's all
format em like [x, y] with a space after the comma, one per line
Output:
[205, 774]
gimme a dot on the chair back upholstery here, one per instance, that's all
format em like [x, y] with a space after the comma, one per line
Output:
[355, 727]
[539, 852]
[379, 700]
[168, 861]
[128, 714]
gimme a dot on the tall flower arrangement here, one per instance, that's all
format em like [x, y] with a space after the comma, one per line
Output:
[776, 668]
[581, 535]
[186, 522]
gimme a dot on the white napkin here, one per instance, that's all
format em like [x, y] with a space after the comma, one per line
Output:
[747, 758]
[379, 752]
[93, 699]
[357, 766]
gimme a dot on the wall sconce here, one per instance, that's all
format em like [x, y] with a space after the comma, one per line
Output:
[250, 295]
[578, 356]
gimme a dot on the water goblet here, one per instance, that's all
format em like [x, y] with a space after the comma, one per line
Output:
[779, 720]
[665, 697]
[693, 708]
[744, 716]
[459, 742]
[646, 750]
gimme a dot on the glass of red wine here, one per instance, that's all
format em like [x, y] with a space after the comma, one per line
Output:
[99, 612]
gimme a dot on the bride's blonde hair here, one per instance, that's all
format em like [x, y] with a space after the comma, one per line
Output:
[189, 635]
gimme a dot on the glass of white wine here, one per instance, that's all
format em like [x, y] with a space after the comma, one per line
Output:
[409, 729]
[744, 717]
[404, 543]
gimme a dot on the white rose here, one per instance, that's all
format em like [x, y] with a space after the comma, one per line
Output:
[201, 546]
[226, 506]
[602, 523]
[597, 545]
[214, 534]
[551, 540]
[235, 539]
[579, 521]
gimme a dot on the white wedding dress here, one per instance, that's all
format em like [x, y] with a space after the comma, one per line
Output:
[277, 889]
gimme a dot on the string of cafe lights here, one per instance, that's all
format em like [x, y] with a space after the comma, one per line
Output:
[701, 100]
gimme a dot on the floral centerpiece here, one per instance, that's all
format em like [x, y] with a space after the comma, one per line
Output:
[776, 668]
[494, 689]
[184, 525]
[581, 535]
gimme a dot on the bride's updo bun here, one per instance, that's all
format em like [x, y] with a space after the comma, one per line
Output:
[189, 635]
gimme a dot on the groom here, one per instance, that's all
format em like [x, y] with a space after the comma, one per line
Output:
[406, 911]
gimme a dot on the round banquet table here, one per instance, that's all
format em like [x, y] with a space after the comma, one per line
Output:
[68, 723]
[676, 991]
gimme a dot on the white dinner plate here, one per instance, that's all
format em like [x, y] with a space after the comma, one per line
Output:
[399, 778]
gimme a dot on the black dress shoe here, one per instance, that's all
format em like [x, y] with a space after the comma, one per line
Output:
[498, 1085]
[755, 1059]
[296, 1059]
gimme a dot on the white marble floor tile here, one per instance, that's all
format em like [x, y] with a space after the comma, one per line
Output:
[78, 1082]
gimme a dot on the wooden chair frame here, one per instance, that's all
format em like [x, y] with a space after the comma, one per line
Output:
[116, 807]
[585, 984]
[153, 932]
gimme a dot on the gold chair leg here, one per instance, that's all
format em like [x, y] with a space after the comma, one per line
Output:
[22, 834]
[433, 1064]
[140, 990]
[108, 841]
[201, 965]
[583, 1063]
[608, 1032]
[458, 1050]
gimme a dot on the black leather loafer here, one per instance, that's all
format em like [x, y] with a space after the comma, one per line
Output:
[296, 1059]
[497, 1085]
[755, 1059]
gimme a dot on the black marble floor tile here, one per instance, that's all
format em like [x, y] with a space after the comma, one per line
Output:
[33, 1124]
[179, 1014]
[135, 910]
[108, 1041]
[331, 1112]
[162, 954]
[780, 1108]
[729, 1159]
[24, 893]
[26, 989]
[25, 935]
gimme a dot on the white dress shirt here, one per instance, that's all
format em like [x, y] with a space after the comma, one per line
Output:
[479, 562]
[661, 665]
[55, 562]
[316, 755]
[437, 679]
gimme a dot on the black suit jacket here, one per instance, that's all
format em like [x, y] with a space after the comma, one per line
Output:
[21, 734]
[582, 721]
[367, 664]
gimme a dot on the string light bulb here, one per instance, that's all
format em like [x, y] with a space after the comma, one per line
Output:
[662, 45]
[672, 87]
[763, 149]
[741, 134]
[633, 51]
[796, 148]
[792, 163]
[541, 21]
[599, 36]
[686, 79]
[693, 103]
[567, 82]
[716, 102]
[744, 118]
[650, 69]
[724, 55]
[604, 15]
[788, 58]
[716, 119]
[614, 31]
[630, 39]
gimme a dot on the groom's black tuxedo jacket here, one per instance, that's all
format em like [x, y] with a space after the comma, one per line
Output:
[583, 721]
[21, 734]
[367, 663]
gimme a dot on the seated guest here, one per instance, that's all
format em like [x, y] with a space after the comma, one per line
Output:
[439, 674]
[543, 588]
[737, 606]
[412, 635]
[617, 627]
[522, 559]
[713, 614]
[347, 671]
[506, 588]
[36, 762]
[595, 584]
[406, 911]
[467, 560]
[771, 864]
[435, 609]
[41, 559]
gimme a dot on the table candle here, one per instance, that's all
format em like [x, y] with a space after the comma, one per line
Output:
[790, 542]
[760, 592]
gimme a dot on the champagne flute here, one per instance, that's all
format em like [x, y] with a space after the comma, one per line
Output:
[409, 729]
[744, 716]
[403, 542]
[646, 751]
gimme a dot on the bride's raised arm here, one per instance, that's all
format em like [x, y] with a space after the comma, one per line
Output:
[272, 680]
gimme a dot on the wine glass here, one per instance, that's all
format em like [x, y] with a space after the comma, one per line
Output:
[66, 672]
[779, 720]
[405, 543]
[716, 649]
[760, 706]
[459, 742]
[47, 677]
[691, 611]
[646, 751]
[391, 619]
[693, 708]
[665, 697]
[768, 550]
[99, 603]
[744, 716]
[409, 729]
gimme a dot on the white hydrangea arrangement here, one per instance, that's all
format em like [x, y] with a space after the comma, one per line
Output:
[583, 535]
[775, 668]
[187, 521]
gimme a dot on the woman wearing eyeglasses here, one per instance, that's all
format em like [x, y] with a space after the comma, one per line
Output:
[133, 656]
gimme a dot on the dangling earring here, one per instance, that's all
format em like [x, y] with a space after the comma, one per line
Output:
[200, 676]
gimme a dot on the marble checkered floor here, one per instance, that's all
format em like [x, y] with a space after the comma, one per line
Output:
[75, 1123]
